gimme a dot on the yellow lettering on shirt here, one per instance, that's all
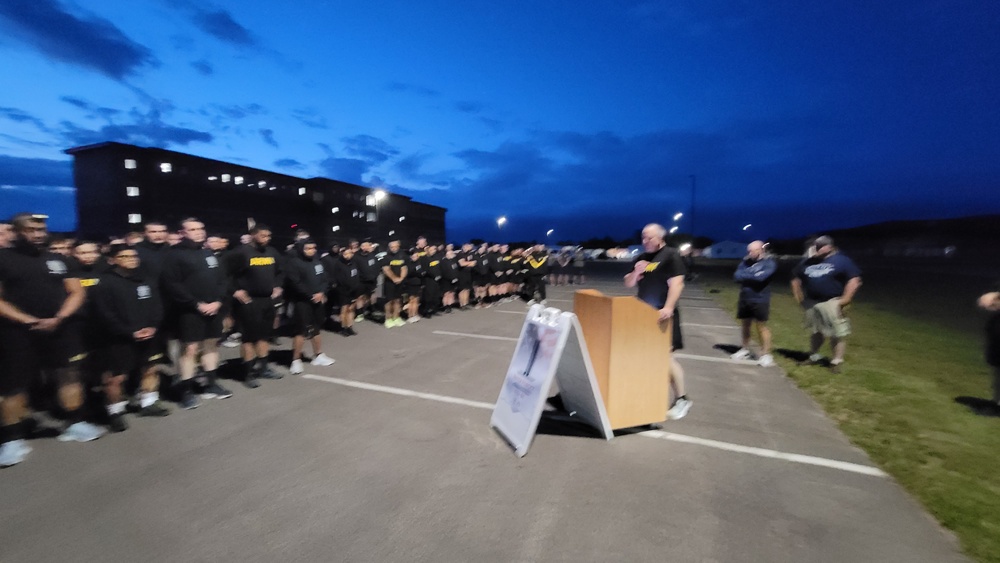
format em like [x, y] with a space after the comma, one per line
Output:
[537, 263]
[397, 263]
[651, 266]
[263, 261]
[435, 263]
[89, 282]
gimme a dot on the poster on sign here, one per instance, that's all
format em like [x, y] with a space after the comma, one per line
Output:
[536, 364]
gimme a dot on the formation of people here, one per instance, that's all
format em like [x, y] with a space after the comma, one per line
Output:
[86, 329]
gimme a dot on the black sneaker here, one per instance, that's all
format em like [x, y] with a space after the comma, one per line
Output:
[215, 391]
[116, 423]
[189, 401]
[156, 409]
[268, 373]
[251, 381]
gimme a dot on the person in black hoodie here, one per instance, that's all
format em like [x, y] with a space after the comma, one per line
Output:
[432, 282]
[306, 283]
[415, 274]
[348, 285]
[258, 277]
[195, 284]
[128, 311]
[368, 271]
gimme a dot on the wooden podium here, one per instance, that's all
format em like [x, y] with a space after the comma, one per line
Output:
[630, 352]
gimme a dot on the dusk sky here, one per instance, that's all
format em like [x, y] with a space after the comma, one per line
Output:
[587, 117]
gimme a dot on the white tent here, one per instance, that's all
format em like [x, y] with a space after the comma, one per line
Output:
[725, 249]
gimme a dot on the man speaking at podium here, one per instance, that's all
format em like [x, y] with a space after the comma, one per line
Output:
[659, 273]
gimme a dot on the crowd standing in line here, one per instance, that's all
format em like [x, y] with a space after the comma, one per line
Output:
[86, 329]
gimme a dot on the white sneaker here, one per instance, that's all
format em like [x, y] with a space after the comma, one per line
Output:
[296, 367]
[81, 432]
[531, 302]
[322, 360]
[13, 452]
[414, 319]
[766, 361]
[680, 409]
[742, 354]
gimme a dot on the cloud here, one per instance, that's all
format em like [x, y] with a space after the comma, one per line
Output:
[91, 109]
[86, 41]
[236, 111]
[203, 67]
[147, 129]
[469, 107]
[35, 171]
[21, 116]
[370, 149]
[344, 169]
[411, 89]
[268, 136]
[220, 24]
[289, 163]
[310, 117]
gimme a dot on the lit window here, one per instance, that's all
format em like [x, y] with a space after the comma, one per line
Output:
[371, 217]
[134, 218]
[226, 177]
[336, 228]
[238, 180]
[302, 191]
[401, 219]
[132, 191]
[370, 200]
[261, 184]
[354, 214]
[272, 188]
[130, 163]
[166, 167]
[212, 178]
[335, 210]
[392, 233]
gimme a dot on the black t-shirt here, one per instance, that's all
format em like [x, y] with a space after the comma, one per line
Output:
[32, 279]
[395, 261]
[824, 278]
[664, 264]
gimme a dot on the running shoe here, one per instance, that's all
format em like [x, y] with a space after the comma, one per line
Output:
[680, 409]
[296, 367]
[767, 360]
[742, 354]
[81, 432]
[13, 452]
[322, 360]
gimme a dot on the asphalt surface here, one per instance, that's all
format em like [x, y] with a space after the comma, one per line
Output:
[312, 469]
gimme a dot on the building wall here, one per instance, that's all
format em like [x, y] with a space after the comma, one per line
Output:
[172, 186]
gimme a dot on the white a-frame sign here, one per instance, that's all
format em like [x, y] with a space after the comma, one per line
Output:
[550, 348]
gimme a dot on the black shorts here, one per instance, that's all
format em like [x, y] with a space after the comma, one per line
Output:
[464, 280]
[307, 318]
[367, 287]
[194, 327]
[497, 278]
[480, 280]
[391, 291]
[448, 286]
[676, 336]
[24, 353]
[413, 288]
[255, 320]
[128, 356]
[755, 311]
[344, 296]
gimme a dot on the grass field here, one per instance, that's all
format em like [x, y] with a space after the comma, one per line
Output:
[916, 348]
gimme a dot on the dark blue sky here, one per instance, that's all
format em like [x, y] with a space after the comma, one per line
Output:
[586, 116]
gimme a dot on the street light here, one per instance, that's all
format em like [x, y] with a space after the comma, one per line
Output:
[747, 226]
[673, 229]
[549, 232]
[501, 222]
[380, 195]
[678, 215]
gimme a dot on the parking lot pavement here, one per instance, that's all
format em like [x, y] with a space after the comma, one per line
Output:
[388, 456]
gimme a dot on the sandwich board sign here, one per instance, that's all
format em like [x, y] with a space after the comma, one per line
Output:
[549, 350]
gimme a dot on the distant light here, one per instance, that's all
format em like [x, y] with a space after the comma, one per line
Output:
[677, 216]
[302, 191]
[392, 233]
[134, 218]
[272, 188]
[501, 221]
[401, 219]
[673, 229]
[685, 246]
[294, 225]
[225, 177]
[747, 226]
[336, 228]
[335, 210]
[132, 191]
[261, 184]
[549, 232]
[166, 167]
[238, 180]
[130, 163]
[212, 178]
[380, 195]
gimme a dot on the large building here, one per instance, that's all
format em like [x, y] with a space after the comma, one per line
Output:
[120, 187]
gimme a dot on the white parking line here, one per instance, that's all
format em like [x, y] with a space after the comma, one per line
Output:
[715, 444]
[469, 335]
[710, 326]
[683, 356]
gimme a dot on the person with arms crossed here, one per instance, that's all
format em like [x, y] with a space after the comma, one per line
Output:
[754, 275]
